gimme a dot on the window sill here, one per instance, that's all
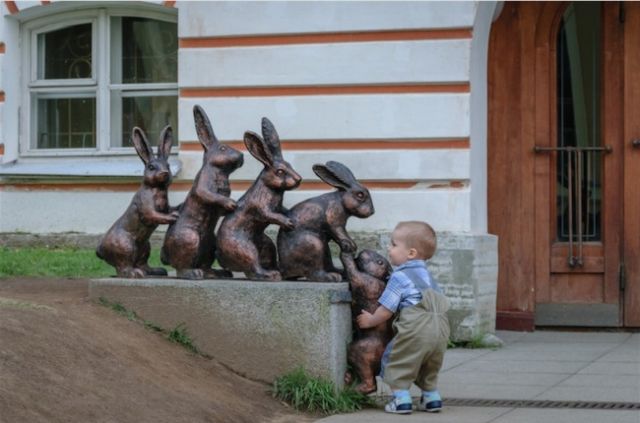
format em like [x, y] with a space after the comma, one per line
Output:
[88, 166]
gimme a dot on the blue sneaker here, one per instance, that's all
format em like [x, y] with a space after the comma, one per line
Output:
[431, 403]
[397, 406]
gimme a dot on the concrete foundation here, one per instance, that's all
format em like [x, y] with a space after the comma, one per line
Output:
[261, 330]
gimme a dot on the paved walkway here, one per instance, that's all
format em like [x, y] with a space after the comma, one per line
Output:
[543, 365]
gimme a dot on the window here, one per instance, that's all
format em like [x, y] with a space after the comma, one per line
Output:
[579, 165]
[93, 75]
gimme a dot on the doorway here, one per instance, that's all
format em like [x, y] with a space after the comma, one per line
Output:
[563, 189]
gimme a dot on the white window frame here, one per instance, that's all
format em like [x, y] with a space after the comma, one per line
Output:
[108, 123]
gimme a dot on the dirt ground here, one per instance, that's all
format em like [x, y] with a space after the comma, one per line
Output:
[66, 359]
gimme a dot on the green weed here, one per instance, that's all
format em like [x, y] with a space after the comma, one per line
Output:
[474, 343]
[119, 308]
[180, 335]
[307, 393]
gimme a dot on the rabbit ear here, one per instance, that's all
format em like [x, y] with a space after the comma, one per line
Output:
[165, 143]
[335, 174]
[271, 137]
[203, 128]
[258, 148]
[142, 145]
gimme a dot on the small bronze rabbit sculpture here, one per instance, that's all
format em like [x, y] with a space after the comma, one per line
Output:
[126, 244]
[190, 242]
[304, 251]
[368, 275]
[241, 242]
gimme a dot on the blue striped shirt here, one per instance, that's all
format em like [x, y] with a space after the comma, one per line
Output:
[406, 284]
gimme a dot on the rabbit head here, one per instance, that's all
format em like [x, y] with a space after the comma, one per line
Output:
[374, 264]
[216, 154]
[356, 199]
[278, 173]
[156, 168]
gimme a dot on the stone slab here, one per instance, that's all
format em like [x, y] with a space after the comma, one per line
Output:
[259, 329]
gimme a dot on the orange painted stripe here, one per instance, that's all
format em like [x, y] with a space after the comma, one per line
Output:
[11, 6]
[2, 48]
[1, 149]
[1, 96]
[331, 37]
[186, 185]
[462, 87]
[169, 3]
[417, 144]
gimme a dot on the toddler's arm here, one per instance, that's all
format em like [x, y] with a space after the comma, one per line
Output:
[367, 320]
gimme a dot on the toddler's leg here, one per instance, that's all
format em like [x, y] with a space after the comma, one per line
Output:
[428, 380]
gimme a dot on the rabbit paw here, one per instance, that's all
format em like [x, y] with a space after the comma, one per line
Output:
[348, 378]
[230, 205]
[190, 273]
[288, 223]
[348, 246]
[366, 388]
[131, 273]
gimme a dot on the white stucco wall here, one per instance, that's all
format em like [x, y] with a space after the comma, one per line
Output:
[334, 117]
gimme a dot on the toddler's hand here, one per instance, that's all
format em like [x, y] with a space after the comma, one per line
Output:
[364, 319]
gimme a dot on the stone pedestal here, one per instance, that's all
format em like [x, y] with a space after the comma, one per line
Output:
[261, 330]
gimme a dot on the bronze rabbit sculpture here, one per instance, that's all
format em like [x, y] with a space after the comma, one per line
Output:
[304, 251]
[241, 242]
[368, 275]
[190, 243]
[126, 244]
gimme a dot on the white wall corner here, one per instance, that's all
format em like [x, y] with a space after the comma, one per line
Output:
[479, 117]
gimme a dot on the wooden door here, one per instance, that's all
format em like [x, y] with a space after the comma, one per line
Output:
[564, 171]
[580, 154]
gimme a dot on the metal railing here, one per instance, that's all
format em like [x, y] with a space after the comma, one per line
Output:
[575, 181]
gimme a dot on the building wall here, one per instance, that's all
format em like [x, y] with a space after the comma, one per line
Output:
[383, 87]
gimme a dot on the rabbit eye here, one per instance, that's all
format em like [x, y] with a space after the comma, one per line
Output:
[279, 172]
[152, 167]
[223, 148]
[380, 262]
[360, 195]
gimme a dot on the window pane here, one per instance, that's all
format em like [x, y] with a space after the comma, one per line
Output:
[152, 114]
[149, 51]
[66, 123]
[65, 53]
[579, 173]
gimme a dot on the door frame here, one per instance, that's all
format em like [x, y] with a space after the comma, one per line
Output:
[631, 166]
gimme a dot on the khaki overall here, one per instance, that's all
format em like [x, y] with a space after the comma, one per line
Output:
[421, 337]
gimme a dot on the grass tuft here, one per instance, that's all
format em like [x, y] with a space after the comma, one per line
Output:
[119, 308]
[180, 335]
[316, 395]
[474, 343]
